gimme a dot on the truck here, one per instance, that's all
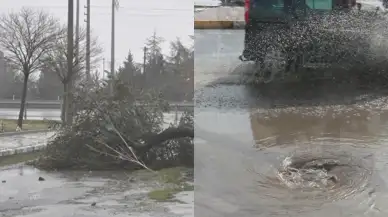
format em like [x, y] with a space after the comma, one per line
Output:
[286, 38]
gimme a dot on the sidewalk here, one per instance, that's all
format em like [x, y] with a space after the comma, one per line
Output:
[11, 145]
[220, 18]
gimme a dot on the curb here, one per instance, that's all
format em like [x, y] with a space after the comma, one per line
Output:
[212, 24]
[20, 150]
[206, 6]
[24, 132]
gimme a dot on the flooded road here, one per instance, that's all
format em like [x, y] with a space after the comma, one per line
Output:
[317, 149]
[86, 194]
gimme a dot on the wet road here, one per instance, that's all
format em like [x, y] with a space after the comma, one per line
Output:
[287, 150]
[54, 114]
[216, 54]
[73, 193]
[33, 114]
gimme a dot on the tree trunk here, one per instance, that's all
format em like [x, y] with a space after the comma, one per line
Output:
[170, 133]
[68, 104]
[23, 101]
[70, 108]
[63, 106]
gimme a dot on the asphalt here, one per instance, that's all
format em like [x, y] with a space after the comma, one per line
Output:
[41, 114]
[33, 114]
[216, 55]
[222, 126]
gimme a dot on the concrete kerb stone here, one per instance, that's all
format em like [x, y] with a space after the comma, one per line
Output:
[226, 24]
[22, 150]
[220, 18]
[24, 132]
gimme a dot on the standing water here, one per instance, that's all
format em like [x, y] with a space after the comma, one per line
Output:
[306, 160]
[285, 150]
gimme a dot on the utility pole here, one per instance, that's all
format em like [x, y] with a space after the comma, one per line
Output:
[70, 44]
[115, 5]
[103, 68]
[77, 33]
[88, 41]
[144, 60]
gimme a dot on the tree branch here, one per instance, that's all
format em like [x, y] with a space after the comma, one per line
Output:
[151, 140]
[26, 36]
[56, 56]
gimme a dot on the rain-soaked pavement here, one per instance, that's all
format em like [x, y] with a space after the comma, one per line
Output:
[286, 150]
[90, 194]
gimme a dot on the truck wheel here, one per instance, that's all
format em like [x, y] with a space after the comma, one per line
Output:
[273, 65]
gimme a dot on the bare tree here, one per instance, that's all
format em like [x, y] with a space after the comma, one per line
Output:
[56, 60]
[25, 37]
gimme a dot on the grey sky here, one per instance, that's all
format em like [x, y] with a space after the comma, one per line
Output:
[135, 21]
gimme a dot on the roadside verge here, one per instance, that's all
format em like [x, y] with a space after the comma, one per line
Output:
[23, 132]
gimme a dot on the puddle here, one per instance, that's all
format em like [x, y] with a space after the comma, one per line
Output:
[84, 194]
[244, 134]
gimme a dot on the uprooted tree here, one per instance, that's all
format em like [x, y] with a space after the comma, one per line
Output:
[25, 37]
[117, 132]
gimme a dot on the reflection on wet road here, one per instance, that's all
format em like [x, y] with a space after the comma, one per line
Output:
[316, 150]
[64, 194]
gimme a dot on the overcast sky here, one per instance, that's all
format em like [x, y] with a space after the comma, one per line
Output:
[135, 21]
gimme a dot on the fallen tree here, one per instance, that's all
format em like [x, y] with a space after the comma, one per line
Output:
[114, 132]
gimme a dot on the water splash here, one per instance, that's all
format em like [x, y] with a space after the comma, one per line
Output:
[353, 40]
[320, 172]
